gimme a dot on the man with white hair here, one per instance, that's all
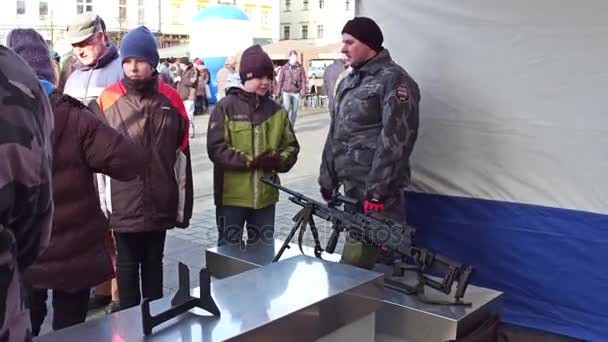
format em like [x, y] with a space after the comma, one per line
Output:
[97, 65]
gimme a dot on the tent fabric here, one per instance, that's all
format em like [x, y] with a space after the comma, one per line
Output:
[510, 165]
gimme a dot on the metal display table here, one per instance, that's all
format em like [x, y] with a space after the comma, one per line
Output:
[401, 317]
[298, 299]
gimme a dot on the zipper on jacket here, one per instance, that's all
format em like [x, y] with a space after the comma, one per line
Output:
[254, 181]
[86, 88]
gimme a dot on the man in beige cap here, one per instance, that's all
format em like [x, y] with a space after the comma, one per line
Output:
[97, 65]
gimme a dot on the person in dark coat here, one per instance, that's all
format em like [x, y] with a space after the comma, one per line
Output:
[26, 203]
[201, 102]
[77, 257]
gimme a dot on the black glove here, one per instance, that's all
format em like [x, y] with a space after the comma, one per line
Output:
[267, 161]
[328, 195]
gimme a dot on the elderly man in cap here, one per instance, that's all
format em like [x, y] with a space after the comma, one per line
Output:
[292, 85]
[97, 65]
[372, 134]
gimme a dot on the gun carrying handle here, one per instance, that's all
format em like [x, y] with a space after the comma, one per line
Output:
[339, 199]
[333, 241]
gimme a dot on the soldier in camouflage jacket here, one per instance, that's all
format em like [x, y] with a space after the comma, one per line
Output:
[26, 206]
[373, 131]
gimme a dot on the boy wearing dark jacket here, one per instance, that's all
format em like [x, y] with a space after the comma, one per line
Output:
[249, 137]
[151, 112]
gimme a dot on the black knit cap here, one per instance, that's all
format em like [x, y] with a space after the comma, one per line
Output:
[255, 63]
[366, 31]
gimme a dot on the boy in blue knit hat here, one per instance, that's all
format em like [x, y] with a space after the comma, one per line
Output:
[151, 112]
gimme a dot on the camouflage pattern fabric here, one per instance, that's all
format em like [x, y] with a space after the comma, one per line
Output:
[373, 130]
[372, 134]
[26, 205]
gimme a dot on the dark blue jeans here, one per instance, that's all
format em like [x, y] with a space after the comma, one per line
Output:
[231, 221]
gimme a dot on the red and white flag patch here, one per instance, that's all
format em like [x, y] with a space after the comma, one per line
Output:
[403, 94]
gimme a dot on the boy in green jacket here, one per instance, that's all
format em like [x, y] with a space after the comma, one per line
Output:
[249, 137]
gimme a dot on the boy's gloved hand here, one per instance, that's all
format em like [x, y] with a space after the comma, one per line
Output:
[267, 161]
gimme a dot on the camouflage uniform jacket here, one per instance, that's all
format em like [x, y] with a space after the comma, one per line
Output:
[26, 206]
[373, 129]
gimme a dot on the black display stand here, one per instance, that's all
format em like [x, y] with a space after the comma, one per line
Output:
[182, 301]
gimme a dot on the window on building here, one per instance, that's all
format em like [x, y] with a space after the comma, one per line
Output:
[83, 6]
[122, 10]
[201, 4]
[141, 12]
[43, 8]
[347, 4]
[319, 31]
[249, 9]
[265, 18]
[20, 6]
[176, 12]
[286, 32]
[287, 5]
[304, 31]
[305, 5]
[321, 3]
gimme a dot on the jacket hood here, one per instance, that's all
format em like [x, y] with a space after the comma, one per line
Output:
[234, 81]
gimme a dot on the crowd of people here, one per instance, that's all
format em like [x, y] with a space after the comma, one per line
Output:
[97, 167]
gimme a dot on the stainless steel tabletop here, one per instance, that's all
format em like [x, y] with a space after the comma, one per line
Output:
[401, 316]
[298, 299]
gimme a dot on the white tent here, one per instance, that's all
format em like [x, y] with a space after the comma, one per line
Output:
[509, 171]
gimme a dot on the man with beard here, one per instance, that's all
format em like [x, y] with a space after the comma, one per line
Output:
[372, 134]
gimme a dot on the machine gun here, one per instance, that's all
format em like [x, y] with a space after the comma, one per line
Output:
[383, 232]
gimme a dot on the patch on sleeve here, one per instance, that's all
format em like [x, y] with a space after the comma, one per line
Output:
[403, 94]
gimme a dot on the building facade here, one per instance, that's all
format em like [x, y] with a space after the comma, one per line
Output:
[318, 22]
[168, 19]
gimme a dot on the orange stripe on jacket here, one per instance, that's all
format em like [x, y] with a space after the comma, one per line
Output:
[110, 95]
